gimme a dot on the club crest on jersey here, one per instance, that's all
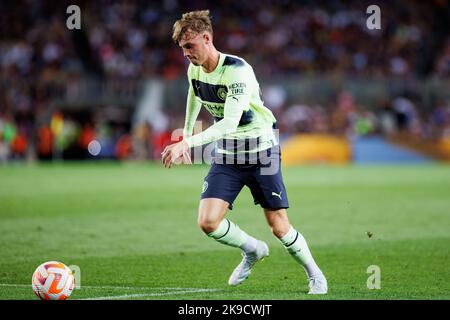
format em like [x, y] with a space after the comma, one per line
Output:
[222, 93]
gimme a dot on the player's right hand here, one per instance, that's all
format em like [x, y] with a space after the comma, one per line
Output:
[174, 151]
[185, 158]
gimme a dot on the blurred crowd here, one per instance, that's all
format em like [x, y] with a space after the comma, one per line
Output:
[344, 116]
[126, 41]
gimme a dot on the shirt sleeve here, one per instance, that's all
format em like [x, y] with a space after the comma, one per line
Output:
[237, 100]
[192, 110]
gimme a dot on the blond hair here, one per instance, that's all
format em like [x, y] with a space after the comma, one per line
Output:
[196, 21]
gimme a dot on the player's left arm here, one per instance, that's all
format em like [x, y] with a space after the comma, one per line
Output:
[237, 100]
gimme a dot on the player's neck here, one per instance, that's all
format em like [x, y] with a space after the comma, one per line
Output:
[212, 61]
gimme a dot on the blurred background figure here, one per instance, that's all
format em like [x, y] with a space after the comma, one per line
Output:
[119, 83]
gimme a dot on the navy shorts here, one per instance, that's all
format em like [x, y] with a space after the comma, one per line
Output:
[265, 181]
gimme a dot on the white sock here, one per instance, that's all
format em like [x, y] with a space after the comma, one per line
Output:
[296, 245]
[230, 234]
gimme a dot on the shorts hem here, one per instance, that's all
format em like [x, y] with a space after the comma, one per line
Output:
[275, 208]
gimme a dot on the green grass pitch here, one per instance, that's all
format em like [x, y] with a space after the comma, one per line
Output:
[131, 228]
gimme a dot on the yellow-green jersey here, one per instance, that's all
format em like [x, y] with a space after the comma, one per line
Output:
[231, 94]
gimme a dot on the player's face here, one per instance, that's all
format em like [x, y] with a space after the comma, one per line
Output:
[194, 48]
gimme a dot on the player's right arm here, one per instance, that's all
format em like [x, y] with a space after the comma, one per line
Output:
[193, 107]
[179, 152]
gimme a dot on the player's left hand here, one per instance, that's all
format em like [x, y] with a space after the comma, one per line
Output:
[172, 152]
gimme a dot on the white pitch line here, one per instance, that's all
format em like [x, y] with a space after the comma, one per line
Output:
[141, 295]
[106, 287]
[178, 290]
[137, 288]
[14, 285]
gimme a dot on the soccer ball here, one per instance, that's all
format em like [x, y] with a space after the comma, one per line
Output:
[53, 280]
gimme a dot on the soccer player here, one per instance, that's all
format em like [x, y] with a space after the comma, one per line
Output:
[247, 151]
